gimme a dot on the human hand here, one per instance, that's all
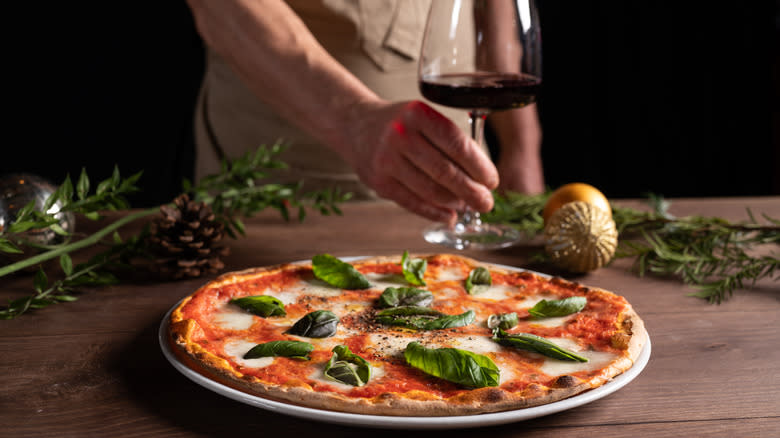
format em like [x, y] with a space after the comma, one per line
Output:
[413, 155]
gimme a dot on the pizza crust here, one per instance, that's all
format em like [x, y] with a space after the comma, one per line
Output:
[184, 330]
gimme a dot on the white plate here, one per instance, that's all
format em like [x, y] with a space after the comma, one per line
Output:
[393, 422]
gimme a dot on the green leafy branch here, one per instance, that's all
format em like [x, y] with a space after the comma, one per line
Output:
[523, 212]
[97, 271]
[710, 254]
[235, 192]
[232, 193]
[109, 195]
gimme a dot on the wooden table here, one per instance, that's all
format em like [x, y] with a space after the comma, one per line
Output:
[94, 367]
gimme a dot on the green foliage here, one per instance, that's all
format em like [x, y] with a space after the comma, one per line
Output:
[478, 281]
[710, 254]
[537, 344]
[462, 367]
[524, 212]
[553, 308]
[413, 269]
[233, 193]
[293, 349]
[338, 273]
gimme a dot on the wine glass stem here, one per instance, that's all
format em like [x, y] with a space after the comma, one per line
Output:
[469, 218]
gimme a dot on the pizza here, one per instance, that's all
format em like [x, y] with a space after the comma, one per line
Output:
[409, 335]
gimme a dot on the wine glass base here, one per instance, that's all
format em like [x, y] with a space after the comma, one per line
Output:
[483, 236]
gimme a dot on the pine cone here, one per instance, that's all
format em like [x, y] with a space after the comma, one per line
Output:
[184, 240]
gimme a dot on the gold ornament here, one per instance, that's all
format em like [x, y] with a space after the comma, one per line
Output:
[580, 237]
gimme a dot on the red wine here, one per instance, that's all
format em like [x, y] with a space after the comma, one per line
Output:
[493, 91]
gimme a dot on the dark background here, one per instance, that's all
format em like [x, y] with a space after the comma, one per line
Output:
[665, 97]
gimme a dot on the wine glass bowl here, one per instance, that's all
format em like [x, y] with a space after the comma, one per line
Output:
[481, 56]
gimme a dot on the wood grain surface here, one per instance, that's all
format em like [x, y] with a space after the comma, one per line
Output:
[94, 368]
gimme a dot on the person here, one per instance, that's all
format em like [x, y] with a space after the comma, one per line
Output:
[336, 81]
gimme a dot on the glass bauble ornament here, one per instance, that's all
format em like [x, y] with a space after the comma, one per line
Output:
[19, 189]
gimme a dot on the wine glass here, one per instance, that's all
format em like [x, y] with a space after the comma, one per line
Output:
[482, 56]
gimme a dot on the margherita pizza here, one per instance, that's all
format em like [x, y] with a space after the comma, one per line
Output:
[420, 335]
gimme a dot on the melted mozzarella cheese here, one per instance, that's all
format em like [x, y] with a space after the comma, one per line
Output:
[391, 345]
[342, 309]
[530, 301]
[383, 281]
[476, 344]
[233, 318]
[497, 292]
[236, 349]
[555, 321]
[451, 273]
[313, 287]
[556, 367]
[286, 297]
[388, 344]
[447, 293]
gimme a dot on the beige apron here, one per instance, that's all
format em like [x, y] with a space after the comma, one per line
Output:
[377, 40]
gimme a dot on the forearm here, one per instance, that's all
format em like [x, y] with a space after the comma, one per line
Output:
[405, 151]
[272, 51]
[519, 135]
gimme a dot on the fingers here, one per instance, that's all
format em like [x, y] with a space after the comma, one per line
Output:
[411, 154]
[408, 199]
[455, 163]
[416, 181]
[454, 144]
[440, 169]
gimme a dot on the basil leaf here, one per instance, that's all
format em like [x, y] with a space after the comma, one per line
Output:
[503, 321]
[566, 306]
[450, 321]
[414, 317]
[347, 367]
[337, 273]
[405, 296]
[292, 349]
[537, 344]
[423, 318]
[317, 324]
[261, 305]
[452, 364]
[478, 281]
[413, 269]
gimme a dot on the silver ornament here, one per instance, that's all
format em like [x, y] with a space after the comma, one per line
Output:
[19, 189]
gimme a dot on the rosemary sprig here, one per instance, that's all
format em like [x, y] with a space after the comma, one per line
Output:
[523, 212]
[710, 254]
[232, 193]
